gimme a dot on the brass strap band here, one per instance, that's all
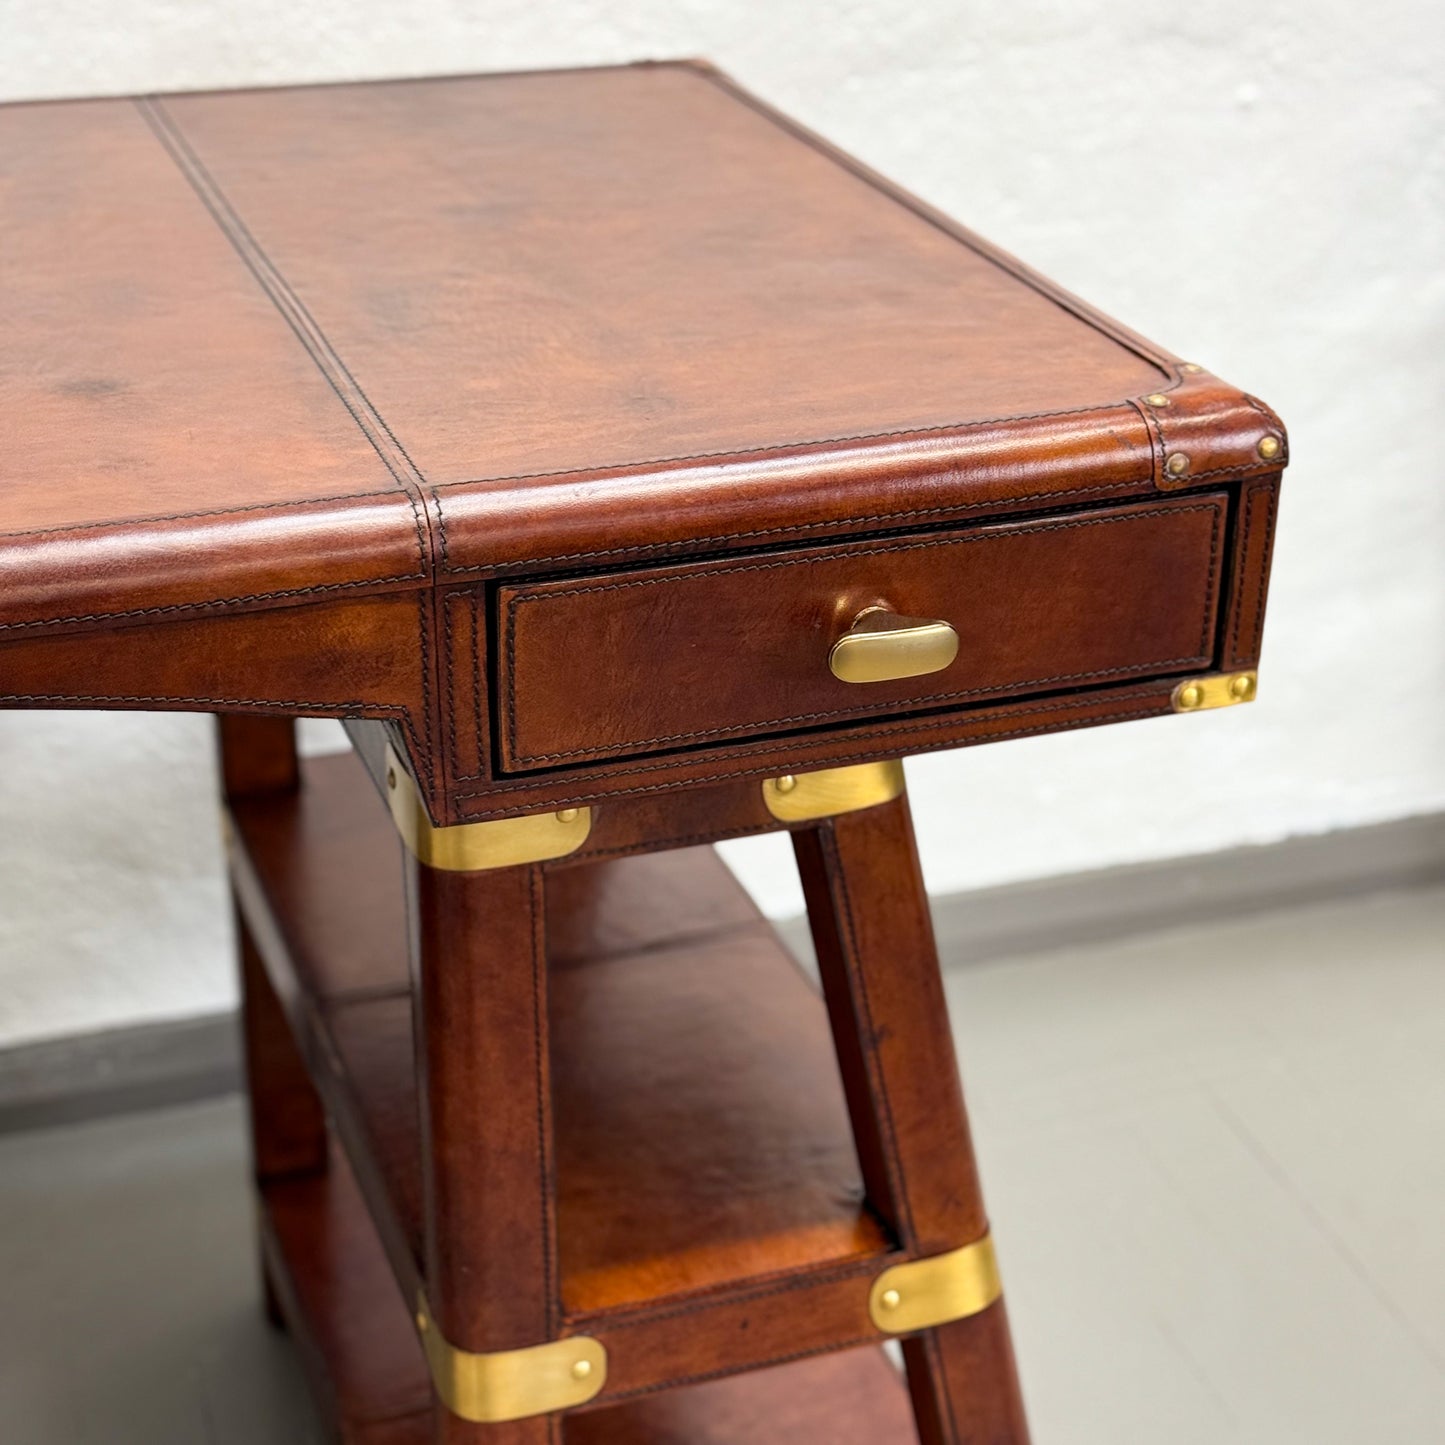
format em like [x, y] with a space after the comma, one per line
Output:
[475, 847]
[937, 1290]
[803, 797]
[511, 1384]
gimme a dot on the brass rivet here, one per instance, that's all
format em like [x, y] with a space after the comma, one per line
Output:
[581, 1369]
[786, 783]
[421, 1321]
[1191, 366]
[1268, 447]
[567, 815]
[1191, 696]
[1177, 464]
[890, 1299]
[1157, 398]
[391, 779]
[1241, 687]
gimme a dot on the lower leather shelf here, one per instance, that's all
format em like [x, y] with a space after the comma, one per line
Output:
[703, 1155]
[341, 1303]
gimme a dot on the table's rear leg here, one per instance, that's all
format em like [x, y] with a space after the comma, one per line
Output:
[874, 938]
[288, 1124]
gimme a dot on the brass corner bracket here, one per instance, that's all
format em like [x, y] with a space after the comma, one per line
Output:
[803, 797]
[511, 1384]
[935, 1291]
[1219, 689]
[473, 847]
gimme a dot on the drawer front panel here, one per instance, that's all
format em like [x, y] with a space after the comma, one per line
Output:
[668, 658]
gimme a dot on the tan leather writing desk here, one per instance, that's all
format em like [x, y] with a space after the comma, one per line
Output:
[630, 470]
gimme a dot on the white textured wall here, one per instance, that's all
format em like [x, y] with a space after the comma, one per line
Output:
[1258, 185]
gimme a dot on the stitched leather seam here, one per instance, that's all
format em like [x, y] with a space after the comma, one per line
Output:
[882, 549]
[423, 628]
[727, 1294]
[545, 1190]
[1269, 520]
[686, 840]
[1261, 571]
[766, 769]
[871, 709]
[1244, 560]
[674, 1382]
[869, 1038]
[117, 522]
[906, 434]
[450, 709]
[1207, 626]
[1240, 471]
[287, 303]
[792, 529]
[1009, 265]
[519, 758]
[325, 358]
[168, 608]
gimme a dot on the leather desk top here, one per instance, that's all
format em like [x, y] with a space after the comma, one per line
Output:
[291, 379]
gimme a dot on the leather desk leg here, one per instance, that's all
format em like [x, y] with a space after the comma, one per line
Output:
[479, 960]
[874, 938]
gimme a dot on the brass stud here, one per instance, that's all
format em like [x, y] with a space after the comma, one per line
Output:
[1157, 398]
[786, 783]
[1177, 464]
[567, 815]
[1268, 447]
[1241, 687]
[582, 1369]
[890, 1299]
[1191, 697]
[421, 1321]
[391, 779]
[1190, 366]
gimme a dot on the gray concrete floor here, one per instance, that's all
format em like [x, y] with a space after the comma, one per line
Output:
[1215, 1160]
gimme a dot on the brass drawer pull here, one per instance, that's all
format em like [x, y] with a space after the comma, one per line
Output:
[881, 646]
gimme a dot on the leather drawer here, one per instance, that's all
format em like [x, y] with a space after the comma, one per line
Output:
[669, 658]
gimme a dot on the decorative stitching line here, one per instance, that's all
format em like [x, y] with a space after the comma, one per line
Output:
[543, 1100]
[621, 469]
[978, 729]
[202, 512]
[518, 758]
[287, 303]
[729, 1294]
[1259, 575]
[673, 1382]
[858, 978]
[165, 609]
[477, 724]
[1249, 509]
[985, 250]
[686, 840]
[792, 529]
[1207, 627]
[1261, 594]
[872, 709]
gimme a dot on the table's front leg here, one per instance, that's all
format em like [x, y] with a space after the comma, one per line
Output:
[479, 956]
